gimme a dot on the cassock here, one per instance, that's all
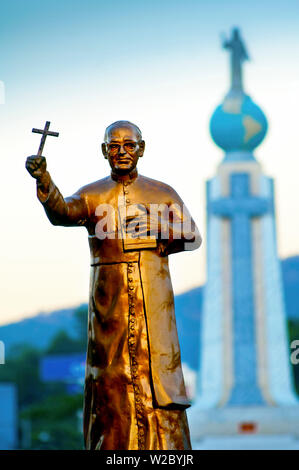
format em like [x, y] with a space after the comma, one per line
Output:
[134, 396]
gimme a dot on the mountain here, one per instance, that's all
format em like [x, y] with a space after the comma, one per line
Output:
[41, 329]
[38, 331]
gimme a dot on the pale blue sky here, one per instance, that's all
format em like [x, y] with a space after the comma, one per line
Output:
[84, 64]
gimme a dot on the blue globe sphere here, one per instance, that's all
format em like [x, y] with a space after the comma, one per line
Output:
[238, 124]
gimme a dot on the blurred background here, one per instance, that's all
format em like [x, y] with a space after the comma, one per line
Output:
[83, 65]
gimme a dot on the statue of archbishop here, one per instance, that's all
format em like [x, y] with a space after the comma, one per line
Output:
[134, 396]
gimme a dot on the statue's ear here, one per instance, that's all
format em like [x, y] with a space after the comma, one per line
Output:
[104, 150]
[141, 148]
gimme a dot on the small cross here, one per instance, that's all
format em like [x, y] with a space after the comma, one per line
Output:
[44, 133]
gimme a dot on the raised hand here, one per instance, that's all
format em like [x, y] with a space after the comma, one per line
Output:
[36, 166]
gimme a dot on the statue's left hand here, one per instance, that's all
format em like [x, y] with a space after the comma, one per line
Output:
[147, 225]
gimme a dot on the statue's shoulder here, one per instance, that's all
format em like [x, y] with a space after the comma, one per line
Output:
[96, 186]
[159, 186]
[154, 183]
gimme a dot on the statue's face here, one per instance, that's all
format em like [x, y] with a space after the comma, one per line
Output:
[122, 148]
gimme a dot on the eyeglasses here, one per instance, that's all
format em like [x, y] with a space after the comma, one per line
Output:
[115, 148]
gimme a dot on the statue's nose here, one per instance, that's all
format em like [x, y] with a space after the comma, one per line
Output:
[122, 150]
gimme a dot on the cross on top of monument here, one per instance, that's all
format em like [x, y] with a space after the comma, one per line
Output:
[238, 56]
[241, 202]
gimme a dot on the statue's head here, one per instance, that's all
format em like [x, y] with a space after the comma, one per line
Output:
[122, 146]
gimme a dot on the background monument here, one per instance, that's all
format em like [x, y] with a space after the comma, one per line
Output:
[245, 383]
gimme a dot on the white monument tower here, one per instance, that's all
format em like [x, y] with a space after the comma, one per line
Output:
[245, 396]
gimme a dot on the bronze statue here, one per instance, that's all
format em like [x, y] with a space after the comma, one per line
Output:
[134, 395]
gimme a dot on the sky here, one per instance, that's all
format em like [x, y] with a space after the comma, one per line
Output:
[85, 64]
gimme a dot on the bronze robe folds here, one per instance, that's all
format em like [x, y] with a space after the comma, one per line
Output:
[134, 388]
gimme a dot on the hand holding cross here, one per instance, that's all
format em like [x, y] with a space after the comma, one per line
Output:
[36, 165]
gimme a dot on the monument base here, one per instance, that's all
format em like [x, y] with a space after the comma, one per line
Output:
[258, 442]
[237, 426]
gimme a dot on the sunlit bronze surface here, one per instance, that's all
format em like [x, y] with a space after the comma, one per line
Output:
[135, 395]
